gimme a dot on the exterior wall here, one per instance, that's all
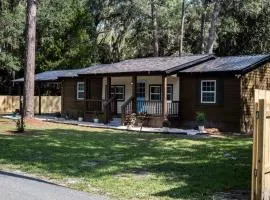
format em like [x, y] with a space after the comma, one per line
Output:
[225, 114]
[70, 105]
[149, 80]
[256, 79]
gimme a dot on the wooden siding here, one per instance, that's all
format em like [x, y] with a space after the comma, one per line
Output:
[225, 114]
[256, 79]
[70, 104]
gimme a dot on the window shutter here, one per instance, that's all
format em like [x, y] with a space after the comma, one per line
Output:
[198, 91]
[220, 92]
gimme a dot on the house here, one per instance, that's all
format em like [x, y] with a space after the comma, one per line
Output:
[134, 85]
[173, 88]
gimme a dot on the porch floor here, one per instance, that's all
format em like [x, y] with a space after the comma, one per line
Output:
[120, 127]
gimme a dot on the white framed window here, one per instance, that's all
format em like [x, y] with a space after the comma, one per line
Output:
[155, 92]
[80, 90]
[119, 91]
[208, 91]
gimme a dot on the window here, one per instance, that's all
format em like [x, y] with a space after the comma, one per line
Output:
[141, 89]
[169, 92]
[80, 90]
[208, 91]
[155, 92]
[119, 91]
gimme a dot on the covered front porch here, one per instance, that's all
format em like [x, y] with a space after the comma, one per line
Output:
[117, 96]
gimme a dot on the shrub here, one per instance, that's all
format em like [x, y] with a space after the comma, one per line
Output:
[130, 119]
[200, 118]
[166, 123]
[20, 125]
[58, 114]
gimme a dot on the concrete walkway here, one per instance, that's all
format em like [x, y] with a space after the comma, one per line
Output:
[20, 187]
[120, 127]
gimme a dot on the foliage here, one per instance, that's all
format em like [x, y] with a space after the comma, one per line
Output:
[20, 125]
[166, 123]
[130, 119]
[200, 118]
[125, 166]
[78, 33]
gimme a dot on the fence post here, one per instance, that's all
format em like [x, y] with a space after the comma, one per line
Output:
[260, 149]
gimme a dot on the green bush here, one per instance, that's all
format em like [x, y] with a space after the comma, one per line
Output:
[200, 118]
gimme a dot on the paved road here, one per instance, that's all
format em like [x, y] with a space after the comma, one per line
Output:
[20, 187]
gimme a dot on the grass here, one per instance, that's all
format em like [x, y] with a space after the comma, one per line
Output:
[123, 165]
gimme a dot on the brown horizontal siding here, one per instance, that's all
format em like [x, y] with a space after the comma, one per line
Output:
[225, 115]
[70, 104]
[256, 79]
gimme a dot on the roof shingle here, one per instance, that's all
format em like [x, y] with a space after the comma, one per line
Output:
[227, 64]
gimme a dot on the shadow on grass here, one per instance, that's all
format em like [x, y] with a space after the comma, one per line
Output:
[194, 167]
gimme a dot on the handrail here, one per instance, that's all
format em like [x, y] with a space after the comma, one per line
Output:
[110, 100]
[124, 105]
[110, 107]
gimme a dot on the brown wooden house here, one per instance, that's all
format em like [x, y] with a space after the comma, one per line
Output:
[130, 86]
[173, 88]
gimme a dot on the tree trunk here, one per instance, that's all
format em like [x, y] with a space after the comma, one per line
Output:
[155, 28]
[182, 28]
[212, 29]
[202, 34]
[29, 68]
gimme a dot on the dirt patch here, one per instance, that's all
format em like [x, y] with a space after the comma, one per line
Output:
[34, 122]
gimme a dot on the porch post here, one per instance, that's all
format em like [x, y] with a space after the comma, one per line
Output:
[39, 98]
[164, 97]
[109, 84]
[134, 93]
[85, 94]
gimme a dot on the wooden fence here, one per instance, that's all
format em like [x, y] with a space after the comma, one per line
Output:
[43, 105]
[261, 147]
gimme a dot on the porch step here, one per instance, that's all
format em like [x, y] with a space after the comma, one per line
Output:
[115, 122]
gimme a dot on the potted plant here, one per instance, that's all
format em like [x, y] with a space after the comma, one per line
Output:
[80, 117]
[96, 117]
[165, 125]
[67, 116]
[200, 119]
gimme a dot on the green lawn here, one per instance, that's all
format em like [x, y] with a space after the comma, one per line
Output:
[124, 165]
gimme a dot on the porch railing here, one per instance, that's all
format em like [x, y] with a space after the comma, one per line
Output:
[153, 108]
[108, 107]
[95, 105]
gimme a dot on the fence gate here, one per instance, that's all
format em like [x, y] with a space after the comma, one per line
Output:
[261, 152]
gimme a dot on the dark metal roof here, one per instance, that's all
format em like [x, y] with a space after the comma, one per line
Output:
[54, 75]
[139, 65]
[228, 64]
[148, 65]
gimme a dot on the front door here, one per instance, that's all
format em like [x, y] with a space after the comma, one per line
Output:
[140, 96]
